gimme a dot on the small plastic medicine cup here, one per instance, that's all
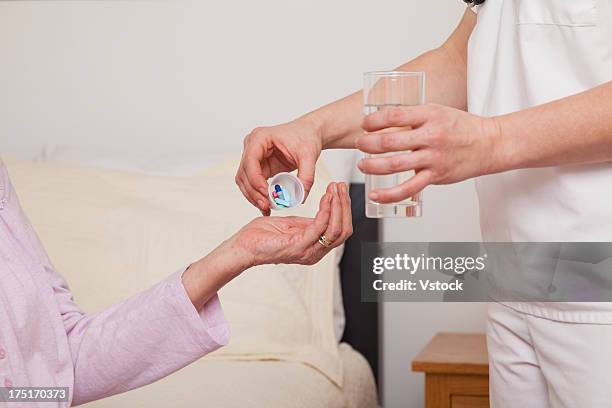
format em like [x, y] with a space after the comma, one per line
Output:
[291, 184]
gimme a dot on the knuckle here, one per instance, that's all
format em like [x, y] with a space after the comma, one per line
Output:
[435, 111]
[440, 167]
[346, 235]
[427, 158]
[436, 136]
[395, 163]
[440, 175]
[387, 141]
[308, 181]
[257, 131]
[434, 156]
[428, 134]
[431, 177]
[395, 114]
[254, 135]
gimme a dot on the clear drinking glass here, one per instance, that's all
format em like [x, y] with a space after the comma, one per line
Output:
[382, 90]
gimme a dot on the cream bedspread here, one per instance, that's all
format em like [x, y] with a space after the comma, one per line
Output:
[254, 384]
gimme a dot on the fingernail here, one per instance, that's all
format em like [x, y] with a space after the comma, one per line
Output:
[343, 187]
[360, 164]
[373, 196]
[260, 204]
[335, 188]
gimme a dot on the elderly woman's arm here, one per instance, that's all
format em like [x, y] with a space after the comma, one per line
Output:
[179, 320]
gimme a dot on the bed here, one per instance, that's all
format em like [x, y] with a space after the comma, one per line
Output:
[295, 340]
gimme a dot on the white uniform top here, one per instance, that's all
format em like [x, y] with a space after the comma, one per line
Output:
[524, 53]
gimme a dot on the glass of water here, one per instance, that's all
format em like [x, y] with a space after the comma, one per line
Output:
[381, 90]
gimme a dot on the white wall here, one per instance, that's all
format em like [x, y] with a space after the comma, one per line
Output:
[177, 76]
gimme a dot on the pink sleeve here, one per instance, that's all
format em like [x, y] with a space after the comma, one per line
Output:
[135, 342]
[140, 340]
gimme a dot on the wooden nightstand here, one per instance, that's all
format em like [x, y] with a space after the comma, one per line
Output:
[456, 371]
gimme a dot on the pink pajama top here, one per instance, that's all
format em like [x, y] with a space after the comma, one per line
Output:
[46, 341]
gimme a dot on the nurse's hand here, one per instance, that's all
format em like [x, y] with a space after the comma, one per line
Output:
[443, 145]
[295, 240]
[272, 150]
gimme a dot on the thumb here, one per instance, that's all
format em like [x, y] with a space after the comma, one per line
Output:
[306, 173]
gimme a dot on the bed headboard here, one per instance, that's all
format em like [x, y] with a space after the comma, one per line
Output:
[361, 330]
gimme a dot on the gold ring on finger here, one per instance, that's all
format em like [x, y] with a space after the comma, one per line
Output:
[325, 242]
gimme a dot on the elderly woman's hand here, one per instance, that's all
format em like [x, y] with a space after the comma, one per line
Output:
[273, 240]
[296, 240]
[443, 145]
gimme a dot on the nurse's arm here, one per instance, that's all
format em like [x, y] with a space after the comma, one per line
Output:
[572, 130]
[298, 144]
[339, 123]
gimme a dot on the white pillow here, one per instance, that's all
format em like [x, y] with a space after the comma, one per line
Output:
[113, 234]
